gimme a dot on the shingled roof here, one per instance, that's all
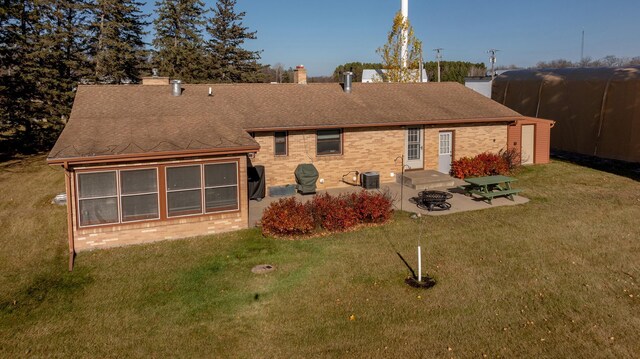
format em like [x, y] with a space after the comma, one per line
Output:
[130, 120]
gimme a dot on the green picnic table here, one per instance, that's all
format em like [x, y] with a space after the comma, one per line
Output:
[490, 187]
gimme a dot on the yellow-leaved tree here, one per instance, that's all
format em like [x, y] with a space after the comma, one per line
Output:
[391, 52]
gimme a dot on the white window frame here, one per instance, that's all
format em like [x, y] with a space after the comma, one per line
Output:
[450, 142]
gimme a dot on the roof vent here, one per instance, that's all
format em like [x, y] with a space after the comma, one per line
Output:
[176, 89]
[348, 76]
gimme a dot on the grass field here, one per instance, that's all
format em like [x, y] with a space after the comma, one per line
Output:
[557, 277]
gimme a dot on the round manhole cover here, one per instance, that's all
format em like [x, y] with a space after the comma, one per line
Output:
[263, 268]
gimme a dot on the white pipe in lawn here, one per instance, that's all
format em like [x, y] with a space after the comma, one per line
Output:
[419, 264]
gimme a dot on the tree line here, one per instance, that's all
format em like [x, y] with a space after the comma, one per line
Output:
[607, 61]
[48, 47]
[449, 70]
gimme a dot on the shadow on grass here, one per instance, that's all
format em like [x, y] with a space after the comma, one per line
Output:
[51, 288]
[620, 168]
[223, 283]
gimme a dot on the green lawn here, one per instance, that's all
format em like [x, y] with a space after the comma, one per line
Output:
[557, 277]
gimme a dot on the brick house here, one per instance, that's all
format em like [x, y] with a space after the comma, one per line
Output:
[160, 161]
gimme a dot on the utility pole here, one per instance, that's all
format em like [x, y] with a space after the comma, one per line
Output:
[492, 59]
[438, 58]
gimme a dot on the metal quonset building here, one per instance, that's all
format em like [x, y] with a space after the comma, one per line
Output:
[597, 110]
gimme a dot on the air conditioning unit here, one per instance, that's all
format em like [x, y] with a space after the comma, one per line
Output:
[370, 180]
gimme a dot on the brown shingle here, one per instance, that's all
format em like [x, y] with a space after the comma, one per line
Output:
[120, 120]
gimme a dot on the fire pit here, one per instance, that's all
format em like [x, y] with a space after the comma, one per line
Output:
[433, 200]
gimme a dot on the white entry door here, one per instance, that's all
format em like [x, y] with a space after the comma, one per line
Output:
[527, 151]
[445, 152]
[413, 148]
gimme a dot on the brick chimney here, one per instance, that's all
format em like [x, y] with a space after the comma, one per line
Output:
[300, 75]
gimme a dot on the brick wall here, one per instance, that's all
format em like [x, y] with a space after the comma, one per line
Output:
[369, 149]
[468, 141]
[372, 149]
[133, 233]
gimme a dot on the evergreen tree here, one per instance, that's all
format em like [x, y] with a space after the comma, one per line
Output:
[17, 88]
[43, 55]
[178, 40]
[117, 47]
[229, 61]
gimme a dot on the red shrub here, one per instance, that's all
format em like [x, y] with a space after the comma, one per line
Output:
[287, 217]
[333, 213]
[372, 207]
[484, 164]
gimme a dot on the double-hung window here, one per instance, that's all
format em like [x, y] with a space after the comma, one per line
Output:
[111, 197]
[280, 146]
[199, 189]
[329, 142]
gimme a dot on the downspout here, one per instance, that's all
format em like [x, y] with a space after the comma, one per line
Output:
[67, 182]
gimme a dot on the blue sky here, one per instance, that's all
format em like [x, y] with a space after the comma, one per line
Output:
[325, 33]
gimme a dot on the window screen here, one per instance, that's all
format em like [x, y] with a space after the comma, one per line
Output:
[97, 198]
[221, 187]
[329, 142]
[184, 190]
[280, 139]
[139, 194]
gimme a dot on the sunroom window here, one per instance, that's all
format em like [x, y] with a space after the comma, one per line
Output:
[139, 194]
[184, 190]
[221, 187]
[329, 142]
[97, 198]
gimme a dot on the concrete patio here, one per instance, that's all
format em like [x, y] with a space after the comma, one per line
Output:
[459, 202]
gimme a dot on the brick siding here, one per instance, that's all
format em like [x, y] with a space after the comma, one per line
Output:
[368, 149]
